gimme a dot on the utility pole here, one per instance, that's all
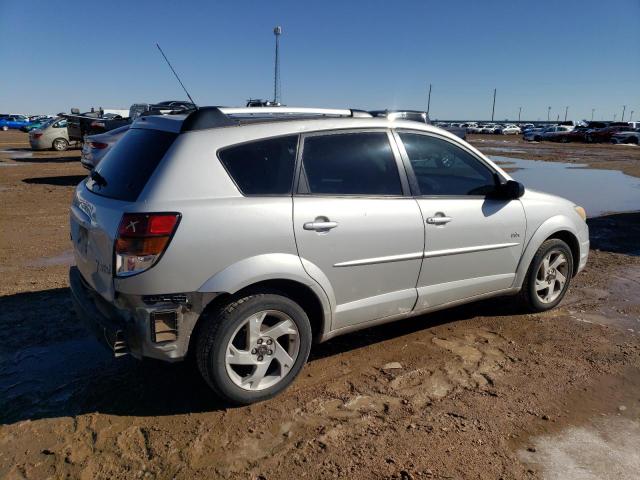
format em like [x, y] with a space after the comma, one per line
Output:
[548, 114]
[624, 107]
[277, 31]
[566, 110]
[592, 111]
[615, 116]
[493, 109]
[631, 116]
[558, 119]
[429, 101]
[519, 112]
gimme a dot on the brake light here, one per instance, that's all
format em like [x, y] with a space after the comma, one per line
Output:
[98, 145]
[37, 135]
[142, 239]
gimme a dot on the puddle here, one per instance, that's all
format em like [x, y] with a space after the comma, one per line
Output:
[598, 191]
[17, 154]
[65, 258]
[607, 448]
[4, 164]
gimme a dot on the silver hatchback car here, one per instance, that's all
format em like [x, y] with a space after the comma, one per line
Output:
[244, 235]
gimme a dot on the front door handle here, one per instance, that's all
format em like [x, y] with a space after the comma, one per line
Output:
[320, 225]
[439, 220]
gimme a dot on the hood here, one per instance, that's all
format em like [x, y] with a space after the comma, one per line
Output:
[532, 194]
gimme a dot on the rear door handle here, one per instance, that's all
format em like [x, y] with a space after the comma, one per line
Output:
[320, 226]
[438, 220]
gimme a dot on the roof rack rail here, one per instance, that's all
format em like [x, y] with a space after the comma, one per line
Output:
[214, 117]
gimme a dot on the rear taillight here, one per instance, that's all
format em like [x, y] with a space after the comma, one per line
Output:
[37, 135]
[142, 239]
[98, 145]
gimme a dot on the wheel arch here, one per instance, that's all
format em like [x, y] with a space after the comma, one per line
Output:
[560, 227]
[572, 240]
[281, 273]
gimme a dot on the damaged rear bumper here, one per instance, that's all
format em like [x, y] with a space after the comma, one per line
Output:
[99, 316]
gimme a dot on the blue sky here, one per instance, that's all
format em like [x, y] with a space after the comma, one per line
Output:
[362, 54]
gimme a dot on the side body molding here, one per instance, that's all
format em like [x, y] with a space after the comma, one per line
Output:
[544, 231]
[271, 266]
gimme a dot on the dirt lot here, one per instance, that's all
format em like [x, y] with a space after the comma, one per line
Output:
[483, 391]
[625, 158]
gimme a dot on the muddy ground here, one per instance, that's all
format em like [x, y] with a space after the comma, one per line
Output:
[483, 391]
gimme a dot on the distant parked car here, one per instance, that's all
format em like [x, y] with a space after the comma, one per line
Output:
[487, 128]
[96, 146]
[534, 134]
[509, 130]
[605, 134]
[13, 121]
[52, 134]
[35, 122]
[627, 137]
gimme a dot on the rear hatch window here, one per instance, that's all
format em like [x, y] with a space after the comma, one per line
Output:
[127, 167]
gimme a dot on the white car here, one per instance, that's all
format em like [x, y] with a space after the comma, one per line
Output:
[510, 130]
[244, 241]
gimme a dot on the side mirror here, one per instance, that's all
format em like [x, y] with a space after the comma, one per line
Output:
[510, 190]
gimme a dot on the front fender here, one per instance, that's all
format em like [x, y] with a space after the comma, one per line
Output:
[545, 230]
[271, 266]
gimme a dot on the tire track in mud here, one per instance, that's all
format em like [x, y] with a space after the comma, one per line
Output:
[473, 360]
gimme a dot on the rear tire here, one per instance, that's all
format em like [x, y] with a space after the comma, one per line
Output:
[60, 144]
[548, 277]
[5, 128]
[252, 348]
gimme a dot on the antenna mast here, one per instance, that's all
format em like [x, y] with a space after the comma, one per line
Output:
[174, 72]
[277, 31]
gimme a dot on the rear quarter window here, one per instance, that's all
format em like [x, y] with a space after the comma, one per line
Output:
[263, 167]
[129, 164]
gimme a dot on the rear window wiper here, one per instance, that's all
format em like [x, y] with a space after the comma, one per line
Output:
[98, 179]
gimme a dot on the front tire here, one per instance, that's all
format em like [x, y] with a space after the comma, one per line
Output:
[5, 128]
[253, 348]
[548, 277]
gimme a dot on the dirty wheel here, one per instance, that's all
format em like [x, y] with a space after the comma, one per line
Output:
[60, 144]
[5, 128]
[548, 277]
[252, 348]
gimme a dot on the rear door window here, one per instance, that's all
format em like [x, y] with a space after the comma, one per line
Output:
[351, 164]
[126, 168]
[264, 167]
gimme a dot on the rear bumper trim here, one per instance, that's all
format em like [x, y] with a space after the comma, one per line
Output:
[109, 328]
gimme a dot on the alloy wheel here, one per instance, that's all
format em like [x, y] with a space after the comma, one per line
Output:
[551, 276]
[262, 350]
